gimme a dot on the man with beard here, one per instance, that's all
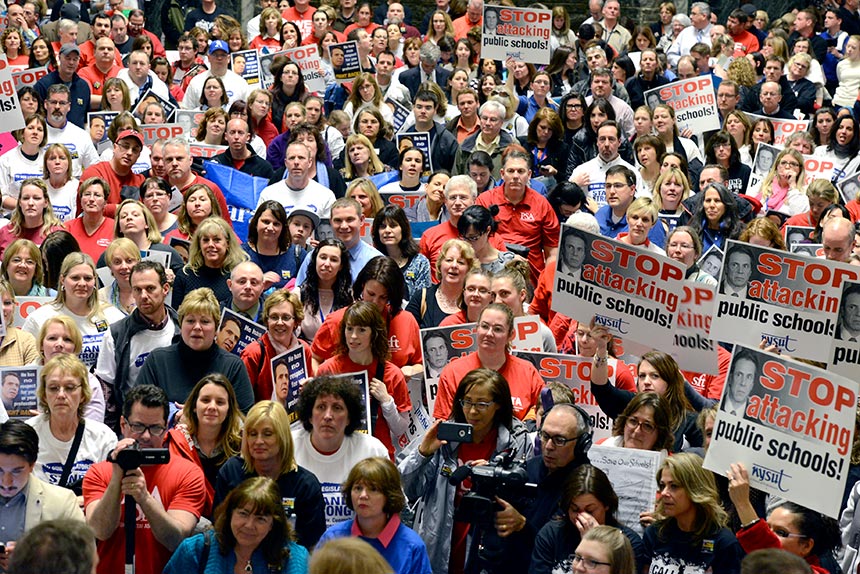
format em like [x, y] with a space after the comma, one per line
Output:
[63, 131]
[117, 170]
[66, 74]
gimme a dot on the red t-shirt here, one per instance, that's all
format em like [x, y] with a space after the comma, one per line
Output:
[458, 318]
[95, 244]
[711, 386]
[96, 79]
[104, 170]
[258, 363]
[88, 55]
[531, 223]
[541, 304]
[403, 338]
[394, 382]
[522, 377]
[180, 485]
[435, 237]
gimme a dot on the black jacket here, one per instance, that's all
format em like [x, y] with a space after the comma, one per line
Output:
[254, 165]
[556, 156]
[583, 148]
[751, 102]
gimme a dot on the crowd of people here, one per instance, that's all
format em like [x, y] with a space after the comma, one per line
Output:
[149, 422]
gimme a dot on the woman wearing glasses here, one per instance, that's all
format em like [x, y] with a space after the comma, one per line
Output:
[483, 400]
[644, 425]
[63, 393]
[783, 187]
[155, 194]
[789, 526]
[589, 504]
[604, 549]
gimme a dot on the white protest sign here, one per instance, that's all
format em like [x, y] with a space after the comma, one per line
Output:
[782, 129]
[693, 348]
[694, 101]
[11, 116]
[633, 474]
[25, 306]
[519, 33]
[28, 77]
[441, 345]
[633, 292]
[308, 60]
[845, 351]
[788, 300]
[790, 424]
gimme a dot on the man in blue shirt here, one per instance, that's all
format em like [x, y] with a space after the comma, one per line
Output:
[66, 73]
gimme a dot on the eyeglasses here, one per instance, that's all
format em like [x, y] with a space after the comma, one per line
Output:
[784, 534]
[793, 164]
[573, 106]
[633, 423]
[558, 440]
[68, 389]
[588, 562]
[615, 185]
[20, 261]
[155, 194]
[285, 318]
[140, 428]
[471, 238]
[480, 406]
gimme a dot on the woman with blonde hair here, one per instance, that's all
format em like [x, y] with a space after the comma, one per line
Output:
[135, 221]
[670, 191]
[121, 255]
[62, 187]
[432, 304]
[24, 269]
[33, 217]
[805, 90]
[366, 92]
[642, 215]
[268, 451]
[440, 25]
[270, 30]
[604, 546]
[25, 158]
[77, 298]
[210, 431]
[213, 254]
[116, 97]
[783, 187]
[348, 556]
[364, 191]
[360, 159]
[251, 527]
[63, 393]
[821, 194]
[690, 529]
[17, 347]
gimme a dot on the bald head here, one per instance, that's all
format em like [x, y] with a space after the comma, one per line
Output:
[246, 285]
[837, 238]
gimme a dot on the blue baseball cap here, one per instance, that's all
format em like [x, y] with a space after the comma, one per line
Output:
[219, 45]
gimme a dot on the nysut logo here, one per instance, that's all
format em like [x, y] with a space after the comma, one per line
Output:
[771, 477]
[617, 323]
[781, 342]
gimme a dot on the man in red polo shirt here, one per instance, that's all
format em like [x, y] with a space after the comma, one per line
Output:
[460, 193]
[104, 66]
[101, 29]
[117, 170]
[177, 160]
[525, 217]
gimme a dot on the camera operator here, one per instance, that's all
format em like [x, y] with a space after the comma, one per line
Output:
[169, 496]
[565, 437]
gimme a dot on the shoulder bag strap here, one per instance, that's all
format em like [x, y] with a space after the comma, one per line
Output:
[73, 452]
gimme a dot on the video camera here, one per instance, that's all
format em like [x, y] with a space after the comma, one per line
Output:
[132, 457]
[503, 477]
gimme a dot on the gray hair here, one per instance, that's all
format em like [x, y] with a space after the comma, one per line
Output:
[460, 182]
[704, 8]
[179, 141]
[429, 52]
[64, 25]
[495, 106]
[682, 19]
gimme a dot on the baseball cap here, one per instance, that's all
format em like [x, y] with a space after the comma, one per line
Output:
[70, 12]
[70, 48]
[315, 219]
[219, 45]
[749, 9]
[130, 134]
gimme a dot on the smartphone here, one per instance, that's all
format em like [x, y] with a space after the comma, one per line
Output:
[2, 548]
[455, 432]
[831, 42]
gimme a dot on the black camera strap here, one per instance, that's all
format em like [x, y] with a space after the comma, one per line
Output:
[374, 404]
[73, 453]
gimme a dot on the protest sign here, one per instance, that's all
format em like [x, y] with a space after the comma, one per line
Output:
[791, 425]
[182, 246]
[19, 390]
[788, 300]
[401, 112]
[246, 63]
[694, 101]
[783, 129]
[845, 349]
[814, 167]
[189, 120]
[360, 380]
[420, 140]
[849, 188]
[711, 261]
[235, 332]
[289, 372]
[200, 149]
[28, 77]
[798, 234]
[148, 97]
[25, 306]
[406, 200]
[344, 61]
[633, 474]
[419, 419]
[11, 115]
[633, 292]
[442, 345]
[575, 373]
[519, 33]
[807, 249]
[153, 132]
[308, 59]
[693, 347]
[265, 63]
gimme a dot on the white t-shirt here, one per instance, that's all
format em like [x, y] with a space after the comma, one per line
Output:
[134, 93]
[64, 199]
[141, 345]
[79, 144]
[98, 441]
[15, 168]
[236, 86]
[316, 198]
[332, 470]
[92, 332]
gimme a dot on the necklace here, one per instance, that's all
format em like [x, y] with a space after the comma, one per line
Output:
[248, 567]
